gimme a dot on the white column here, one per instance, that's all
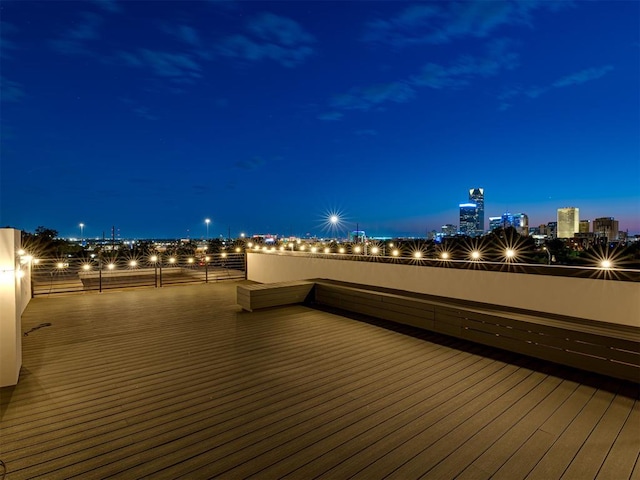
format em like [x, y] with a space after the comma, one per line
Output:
[14, 279]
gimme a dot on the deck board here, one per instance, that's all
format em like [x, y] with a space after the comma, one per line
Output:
[179, 382]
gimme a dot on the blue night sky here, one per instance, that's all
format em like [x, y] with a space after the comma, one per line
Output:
[266, 116]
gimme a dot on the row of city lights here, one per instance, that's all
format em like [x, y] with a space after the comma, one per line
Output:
[510, 254]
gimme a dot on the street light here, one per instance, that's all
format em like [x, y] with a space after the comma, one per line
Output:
[207, 221]
[81, 233]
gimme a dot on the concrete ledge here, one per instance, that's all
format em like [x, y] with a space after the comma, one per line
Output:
[260, 295]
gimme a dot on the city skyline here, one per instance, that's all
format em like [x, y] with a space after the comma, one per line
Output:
[266, 117]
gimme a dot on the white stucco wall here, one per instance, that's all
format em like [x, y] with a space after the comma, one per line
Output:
[600, 300]
[15, 293]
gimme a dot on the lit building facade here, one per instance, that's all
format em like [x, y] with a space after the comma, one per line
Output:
[495, 222]
[476, 196]
[584, 226]
[568, 222]
[521, 223]
[606, 227]
[449, 230]
[468, 219]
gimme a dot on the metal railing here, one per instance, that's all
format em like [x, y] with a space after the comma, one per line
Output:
[64, 275]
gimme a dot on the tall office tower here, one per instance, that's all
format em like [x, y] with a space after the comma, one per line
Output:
[476, 195]
[469, 219]
[583, 226]
[568, 222]
[552, 230]
[606, 227]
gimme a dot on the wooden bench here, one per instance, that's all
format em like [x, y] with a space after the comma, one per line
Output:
[599, 347]
[264, 295]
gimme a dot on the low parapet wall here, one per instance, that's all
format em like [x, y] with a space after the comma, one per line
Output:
[592, 299]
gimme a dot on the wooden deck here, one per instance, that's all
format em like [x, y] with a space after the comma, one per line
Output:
[180, 383]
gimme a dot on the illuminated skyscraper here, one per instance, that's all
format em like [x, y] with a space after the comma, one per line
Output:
[468, 219]
[606, 227]
[476, 195]
[568, 222]
[584, 226]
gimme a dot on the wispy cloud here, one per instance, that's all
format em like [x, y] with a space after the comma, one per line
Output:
[10, 91]
[373, 96]
[443, 22]
[366, 132]
[330, 116]
[74, 40]
[143, 112]
[508, 96]
[176, 67]
[111, 6]
[582, 76]
[6, 45]
[460, 73]
[252, 163]
[270, 37]
[184, 33]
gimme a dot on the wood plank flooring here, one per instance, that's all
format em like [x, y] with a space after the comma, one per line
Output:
[178, 382]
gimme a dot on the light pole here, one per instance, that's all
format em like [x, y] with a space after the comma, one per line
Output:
[81, 233]
[552, 258]
[207, 221]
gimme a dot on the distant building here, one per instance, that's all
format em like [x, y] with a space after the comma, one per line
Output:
[449, 230]
[550, 230]
[521, 223]
[468, 219]
[568, 222]
[476, 196]
[495, 222]
[584, 226]
[357, 236]
[606, 227]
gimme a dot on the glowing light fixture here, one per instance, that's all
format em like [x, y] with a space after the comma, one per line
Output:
[341, 250]
[86, 266]
[172, 260]
[154, 258]
[375, 250]
[417, 254]
[606, 264]
[475, 255]
[444, 255]
[189, 260]
[395, 252]
[111, 266]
